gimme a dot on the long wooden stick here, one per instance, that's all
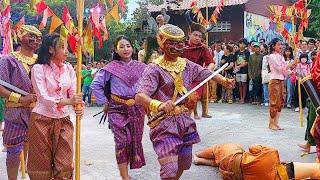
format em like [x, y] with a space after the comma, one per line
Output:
[207, 41]
[80, 10]
[300, 102]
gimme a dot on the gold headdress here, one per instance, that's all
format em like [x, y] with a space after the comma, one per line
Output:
[25, 29]
[169, 32]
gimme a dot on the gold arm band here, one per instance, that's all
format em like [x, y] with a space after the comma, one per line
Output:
[14, 97]
[224, 81]
[154, 105]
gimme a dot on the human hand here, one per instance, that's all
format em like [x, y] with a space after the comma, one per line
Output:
[28, 99]
[229, 83]
[106, 108]
[79, 109]
[76, 99]
[167, 106]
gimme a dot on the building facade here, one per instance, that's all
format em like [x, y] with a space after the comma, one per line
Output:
[238, 19]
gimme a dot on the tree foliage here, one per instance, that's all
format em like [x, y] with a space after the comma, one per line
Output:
[314, 20]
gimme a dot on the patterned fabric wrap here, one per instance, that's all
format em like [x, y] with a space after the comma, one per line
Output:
[1, 109]
[276, 96]
[50, 153]
[126, 123]
[317, 136]
[16, 119]
[173, 138]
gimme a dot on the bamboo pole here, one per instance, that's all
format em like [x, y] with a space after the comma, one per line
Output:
[207, 42]
[300, 102]
[80, 11]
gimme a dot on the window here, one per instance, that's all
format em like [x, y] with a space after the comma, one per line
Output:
[147, 29]
[224, 26]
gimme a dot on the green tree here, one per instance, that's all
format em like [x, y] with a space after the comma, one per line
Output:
[115, 29]
[314, 20]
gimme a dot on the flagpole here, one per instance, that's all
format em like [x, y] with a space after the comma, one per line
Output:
[80, 10]
[207, 42]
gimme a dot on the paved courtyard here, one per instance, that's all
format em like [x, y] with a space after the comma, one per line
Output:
[244, 124]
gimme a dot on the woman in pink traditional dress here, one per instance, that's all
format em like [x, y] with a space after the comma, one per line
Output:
[51, 130]
[115, 86]
[278, 72]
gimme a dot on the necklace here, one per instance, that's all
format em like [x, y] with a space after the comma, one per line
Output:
[172, 66]
[25, 60]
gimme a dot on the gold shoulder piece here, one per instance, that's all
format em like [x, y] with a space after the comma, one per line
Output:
[177, 66]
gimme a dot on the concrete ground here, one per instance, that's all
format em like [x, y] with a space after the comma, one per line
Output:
[244, 124]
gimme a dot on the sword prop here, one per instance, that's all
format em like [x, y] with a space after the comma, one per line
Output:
[9, 86]
[159, 114]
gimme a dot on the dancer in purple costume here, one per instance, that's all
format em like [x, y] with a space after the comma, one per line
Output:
[15, 70]
[115, 86]
[163, 82]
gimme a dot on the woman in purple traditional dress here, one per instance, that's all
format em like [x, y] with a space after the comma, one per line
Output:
[163, 82]
[115, 86]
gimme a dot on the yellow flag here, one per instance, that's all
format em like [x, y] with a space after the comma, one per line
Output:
[5, 3]
[108, 18]
[88, 42]
[55, 23]
[115, 12]
[63, 33]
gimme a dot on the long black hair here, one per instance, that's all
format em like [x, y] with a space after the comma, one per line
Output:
[44, 54]
[115, 55]
[304, 55]
[272, 44]
[152, 45]
[288, 48]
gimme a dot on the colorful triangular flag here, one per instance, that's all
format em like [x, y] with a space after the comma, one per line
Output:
[55, 23]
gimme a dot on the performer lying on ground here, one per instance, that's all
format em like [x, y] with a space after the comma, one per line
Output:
[51, 130]
[163, 82]
[260, 162]
[115, 86]
[15, 70]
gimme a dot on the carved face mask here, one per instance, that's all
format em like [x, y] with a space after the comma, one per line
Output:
[174, 48]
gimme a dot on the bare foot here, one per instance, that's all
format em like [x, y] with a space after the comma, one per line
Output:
[279, 128]
[273, 127]
[195, 160]
[196, 116]
[206, 116]
[305, 147]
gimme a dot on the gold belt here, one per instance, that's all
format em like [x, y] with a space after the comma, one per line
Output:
[177, 110]
[9, 104]
[128, 102]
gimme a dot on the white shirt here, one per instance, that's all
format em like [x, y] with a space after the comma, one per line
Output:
[217, 57]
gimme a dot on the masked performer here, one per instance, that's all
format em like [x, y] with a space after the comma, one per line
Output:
[50, 129]
[198, 53]
[1, 112]
[163, 82]
[15, 70]
[115, 86]
[312, 86]
[260, 162]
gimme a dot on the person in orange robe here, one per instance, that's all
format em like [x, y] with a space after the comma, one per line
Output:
[260, 162]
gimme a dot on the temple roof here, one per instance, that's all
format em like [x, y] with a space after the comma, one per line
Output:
[185, 4]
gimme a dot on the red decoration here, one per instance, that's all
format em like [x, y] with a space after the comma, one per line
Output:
[41, 7]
